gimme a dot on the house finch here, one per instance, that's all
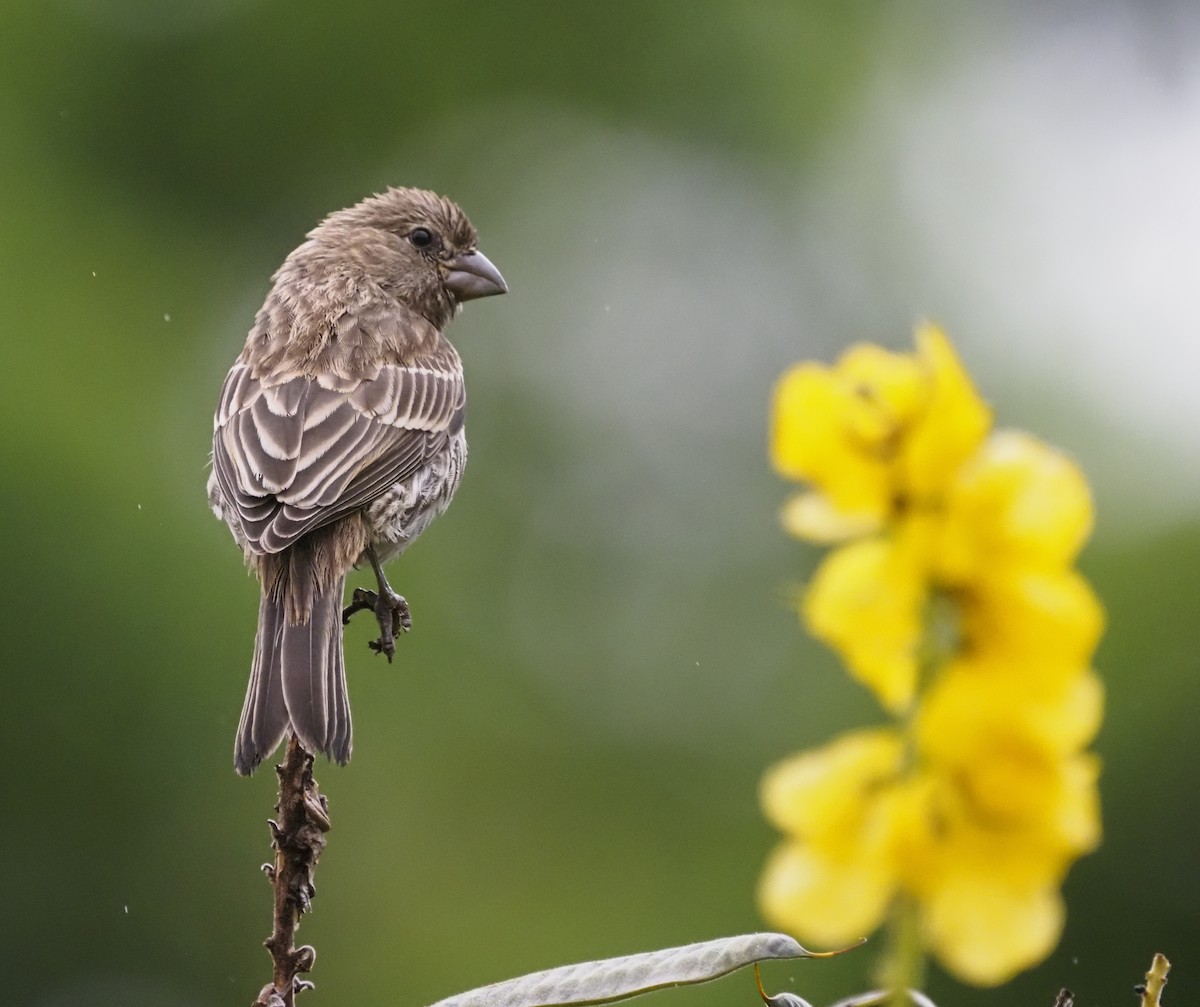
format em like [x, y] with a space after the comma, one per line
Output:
[338, 437]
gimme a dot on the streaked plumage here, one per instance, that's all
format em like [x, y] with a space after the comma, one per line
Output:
[340, 431]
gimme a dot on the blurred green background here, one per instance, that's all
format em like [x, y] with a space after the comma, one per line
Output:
[685, 198]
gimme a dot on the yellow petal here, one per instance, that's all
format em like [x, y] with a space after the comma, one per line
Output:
[985, 930]
[885, 392]
[823, 793]
[918, 822]
[976, 711]
[991, 907]
[841, 428]
[1036, 619]
[952, 424]
[1017, 502]
[1074, 828]
[812, 439]
[823, 901]
[813, 517]
[865, 601]
[843, 809]
[804, 420]
[1006, 756]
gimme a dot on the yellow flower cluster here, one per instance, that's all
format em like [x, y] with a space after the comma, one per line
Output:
[951, 595]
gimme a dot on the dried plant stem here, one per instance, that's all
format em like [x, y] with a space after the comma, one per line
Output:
[298, 837]
[1156, 979]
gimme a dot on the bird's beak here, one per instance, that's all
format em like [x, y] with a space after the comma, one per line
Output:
[472, 275]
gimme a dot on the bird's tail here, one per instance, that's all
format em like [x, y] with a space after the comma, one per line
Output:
[297, 680]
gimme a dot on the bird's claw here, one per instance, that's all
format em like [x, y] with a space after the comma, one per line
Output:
[391, 612]
[360, 600]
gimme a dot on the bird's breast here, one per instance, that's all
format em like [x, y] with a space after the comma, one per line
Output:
[406, 509]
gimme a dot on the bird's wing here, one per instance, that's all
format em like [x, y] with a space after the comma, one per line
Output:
[294, 453]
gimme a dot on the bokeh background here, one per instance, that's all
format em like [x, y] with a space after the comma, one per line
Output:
[685, 198]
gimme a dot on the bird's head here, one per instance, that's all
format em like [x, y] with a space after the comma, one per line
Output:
[418, 246]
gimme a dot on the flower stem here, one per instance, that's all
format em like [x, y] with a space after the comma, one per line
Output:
[904, 966]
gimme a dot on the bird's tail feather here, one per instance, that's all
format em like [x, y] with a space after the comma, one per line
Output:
[264, 715]
[297, 681]
[314, 677]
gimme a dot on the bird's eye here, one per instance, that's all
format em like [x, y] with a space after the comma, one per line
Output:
[421, 237]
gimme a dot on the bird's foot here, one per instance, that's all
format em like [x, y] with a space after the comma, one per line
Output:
[361, 600]
[391, 612]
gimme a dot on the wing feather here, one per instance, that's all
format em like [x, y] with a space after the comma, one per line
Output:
[327, 435]
[285, 399]
[278, 432]
[267, 472]
[321, 403]
[238, 392]
[376, 398]
[291, 455]
[322, 484]
[398, 415]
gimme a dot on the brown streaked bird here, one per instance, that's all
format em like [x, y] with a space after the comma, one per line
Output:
[338, 438]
